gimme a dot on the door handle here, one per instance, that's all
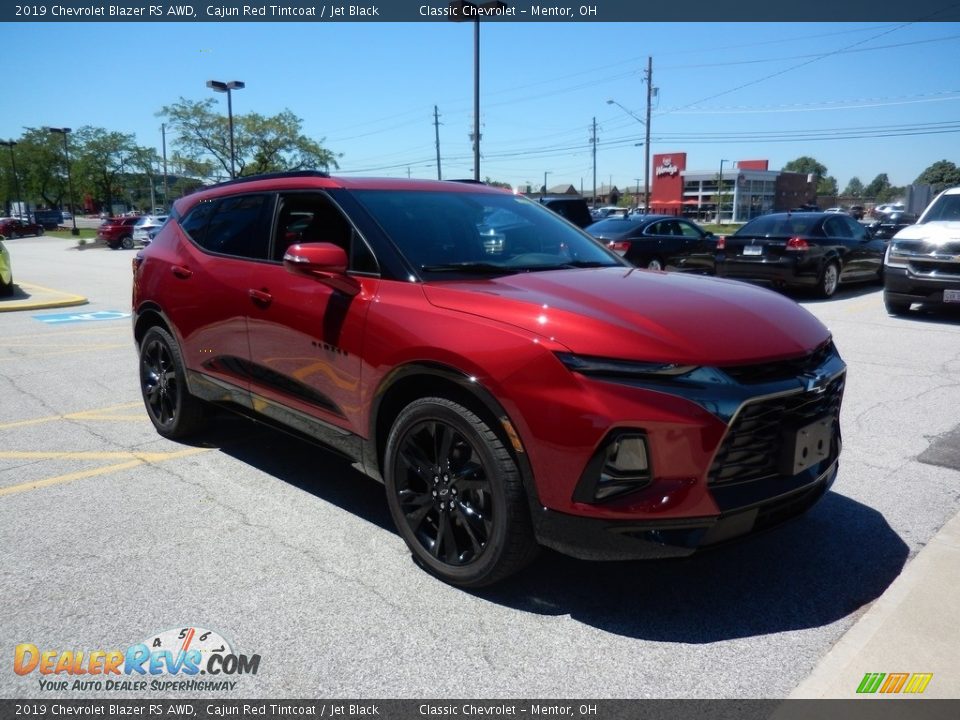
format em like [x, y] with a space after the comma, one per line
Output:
[261, 297]
[181, 272]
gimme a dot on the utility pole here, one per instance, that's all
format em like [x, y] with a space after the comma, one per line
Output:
[163, 134]
[593, 141]
[646, 144]
[436, 132]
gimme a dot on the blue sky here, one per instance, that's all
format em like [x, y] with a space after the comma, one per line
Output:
[724, 91]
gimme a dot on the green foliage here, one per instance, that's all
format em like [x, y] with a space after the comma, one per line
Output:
[854, 188]
[827, 186]
[806, 164]
[941, 175]
[497, 183]
[261, 143]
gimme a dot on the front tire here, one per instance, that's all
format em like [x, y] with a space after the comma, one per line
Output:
[455, 494]
[174, 412]
[829, 280]
[655, 264]
[6, 289]
[895, 307]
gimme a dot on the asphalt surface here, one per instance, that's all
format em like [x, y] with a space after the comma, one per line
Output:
[113, 535]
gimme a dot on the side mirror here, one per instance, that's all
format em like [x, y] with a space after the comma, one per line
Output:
[325, 262]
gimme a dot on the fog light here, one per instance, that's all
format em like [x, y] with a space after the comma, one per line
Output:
[626, 467]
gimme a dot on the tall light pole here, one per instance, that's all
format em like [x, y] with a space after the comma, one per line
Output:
[16, 181]
[66, 154]
[720, 190]
[646, 154]
[464, 10]
[228, 87]
[163, 135]
[545, 173]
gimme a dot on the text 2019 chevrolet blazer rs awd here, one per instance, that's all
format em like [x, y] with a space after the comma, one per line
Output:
[512, 382]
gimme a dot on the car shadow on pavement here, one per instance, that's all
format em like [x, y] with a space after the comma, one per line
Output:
[298, 462]
[810, 572]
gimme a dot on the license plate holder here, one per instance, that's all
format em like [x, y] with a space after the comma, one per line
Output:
[806, 446]
[951, 296]
[753, 250]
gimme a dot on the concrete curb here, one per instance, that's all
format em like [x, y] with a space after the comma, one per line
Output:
[41, 298]
[911, 628]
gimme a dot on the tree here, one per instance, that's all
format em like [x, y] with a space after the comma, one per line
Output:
[827, 186]
[261, 144]
[941, 175]
[99, 162]
[854, 188]
[497, 183]
[878, 187]
[41, 170]
[806, 164]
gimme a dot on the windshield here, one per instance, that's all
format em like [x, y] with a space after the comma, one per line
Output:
[945, 207]
[480, 233]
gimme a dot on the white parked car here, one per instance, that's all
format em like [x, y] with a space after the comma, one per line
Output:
[146, 228]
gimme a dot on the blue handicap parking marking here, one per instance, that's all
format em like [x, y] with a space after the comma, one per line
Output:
[59, 318]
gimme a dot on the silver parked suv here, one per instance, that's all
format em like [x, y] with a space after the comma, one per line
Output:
[922, 264]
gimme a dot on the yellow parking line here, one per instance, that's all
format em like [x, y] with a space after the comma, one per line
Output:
[139, 459]
[56, 334]
[80, 415]
[66, 352]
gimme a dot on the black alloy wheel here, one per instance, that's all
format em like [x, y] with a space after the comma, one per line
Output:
[174, 412]
[455, 494]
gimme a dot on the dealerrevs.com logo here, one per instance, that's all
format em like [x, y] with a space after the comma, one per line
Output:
[184, 654]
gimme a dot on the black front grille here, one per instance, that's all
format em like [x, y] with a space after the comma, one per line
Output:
[754, 443]
[781, 369]
[925, 267]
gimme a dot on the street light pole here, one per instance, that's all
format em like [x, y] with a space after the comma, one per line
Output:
[720, 190]
[16, 181]
[463, 10]
[545, 173]
[66, 154]
[646, 144]
[228, 87]
[163, 135]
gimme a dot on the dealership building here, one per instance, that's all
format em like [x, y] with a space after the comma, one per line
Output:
[747, 188]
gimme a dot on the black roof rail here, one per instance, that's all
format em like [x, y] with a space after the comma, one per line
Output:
[272, 176]
[467, 180]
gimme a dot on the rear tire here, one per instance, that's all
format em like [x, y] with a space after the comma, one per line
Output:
[456, 496]
[127, 242]
[6, 289]
[829, 280]
[174, 412]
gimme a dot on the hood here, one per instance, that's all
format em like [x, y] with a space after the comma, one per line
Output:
[641, 315]
[935, 231]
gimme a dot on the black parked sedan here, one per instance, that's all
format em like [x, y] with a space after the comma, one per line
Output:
[658, 242]
[805, 249]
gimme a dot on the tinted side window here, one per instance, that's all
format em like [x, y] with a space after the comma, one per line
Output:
[859, 231]
[313, 217]
[196, 222]
[239, 227]
[688, 230]
[835, 227]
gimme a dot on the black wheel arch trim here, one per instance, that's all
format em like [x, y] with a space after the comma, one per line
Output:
[468, 384]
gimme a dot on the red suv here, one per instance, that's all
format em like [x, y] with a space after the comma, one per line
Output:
[511, 381]
[117, 232]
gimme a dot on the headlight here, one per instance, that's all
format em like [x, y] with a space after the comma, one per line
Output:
[895, 257]
[588, 365]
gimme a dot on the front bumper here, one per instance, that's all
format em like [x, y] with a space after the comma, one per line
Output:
[900, 284]
[596, 539]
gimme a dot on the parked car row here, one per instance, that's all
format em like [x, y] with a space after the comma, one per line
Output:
[15, 227]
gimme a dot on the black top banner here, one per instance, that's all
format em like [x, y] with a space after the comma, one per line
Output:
[483, 10]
